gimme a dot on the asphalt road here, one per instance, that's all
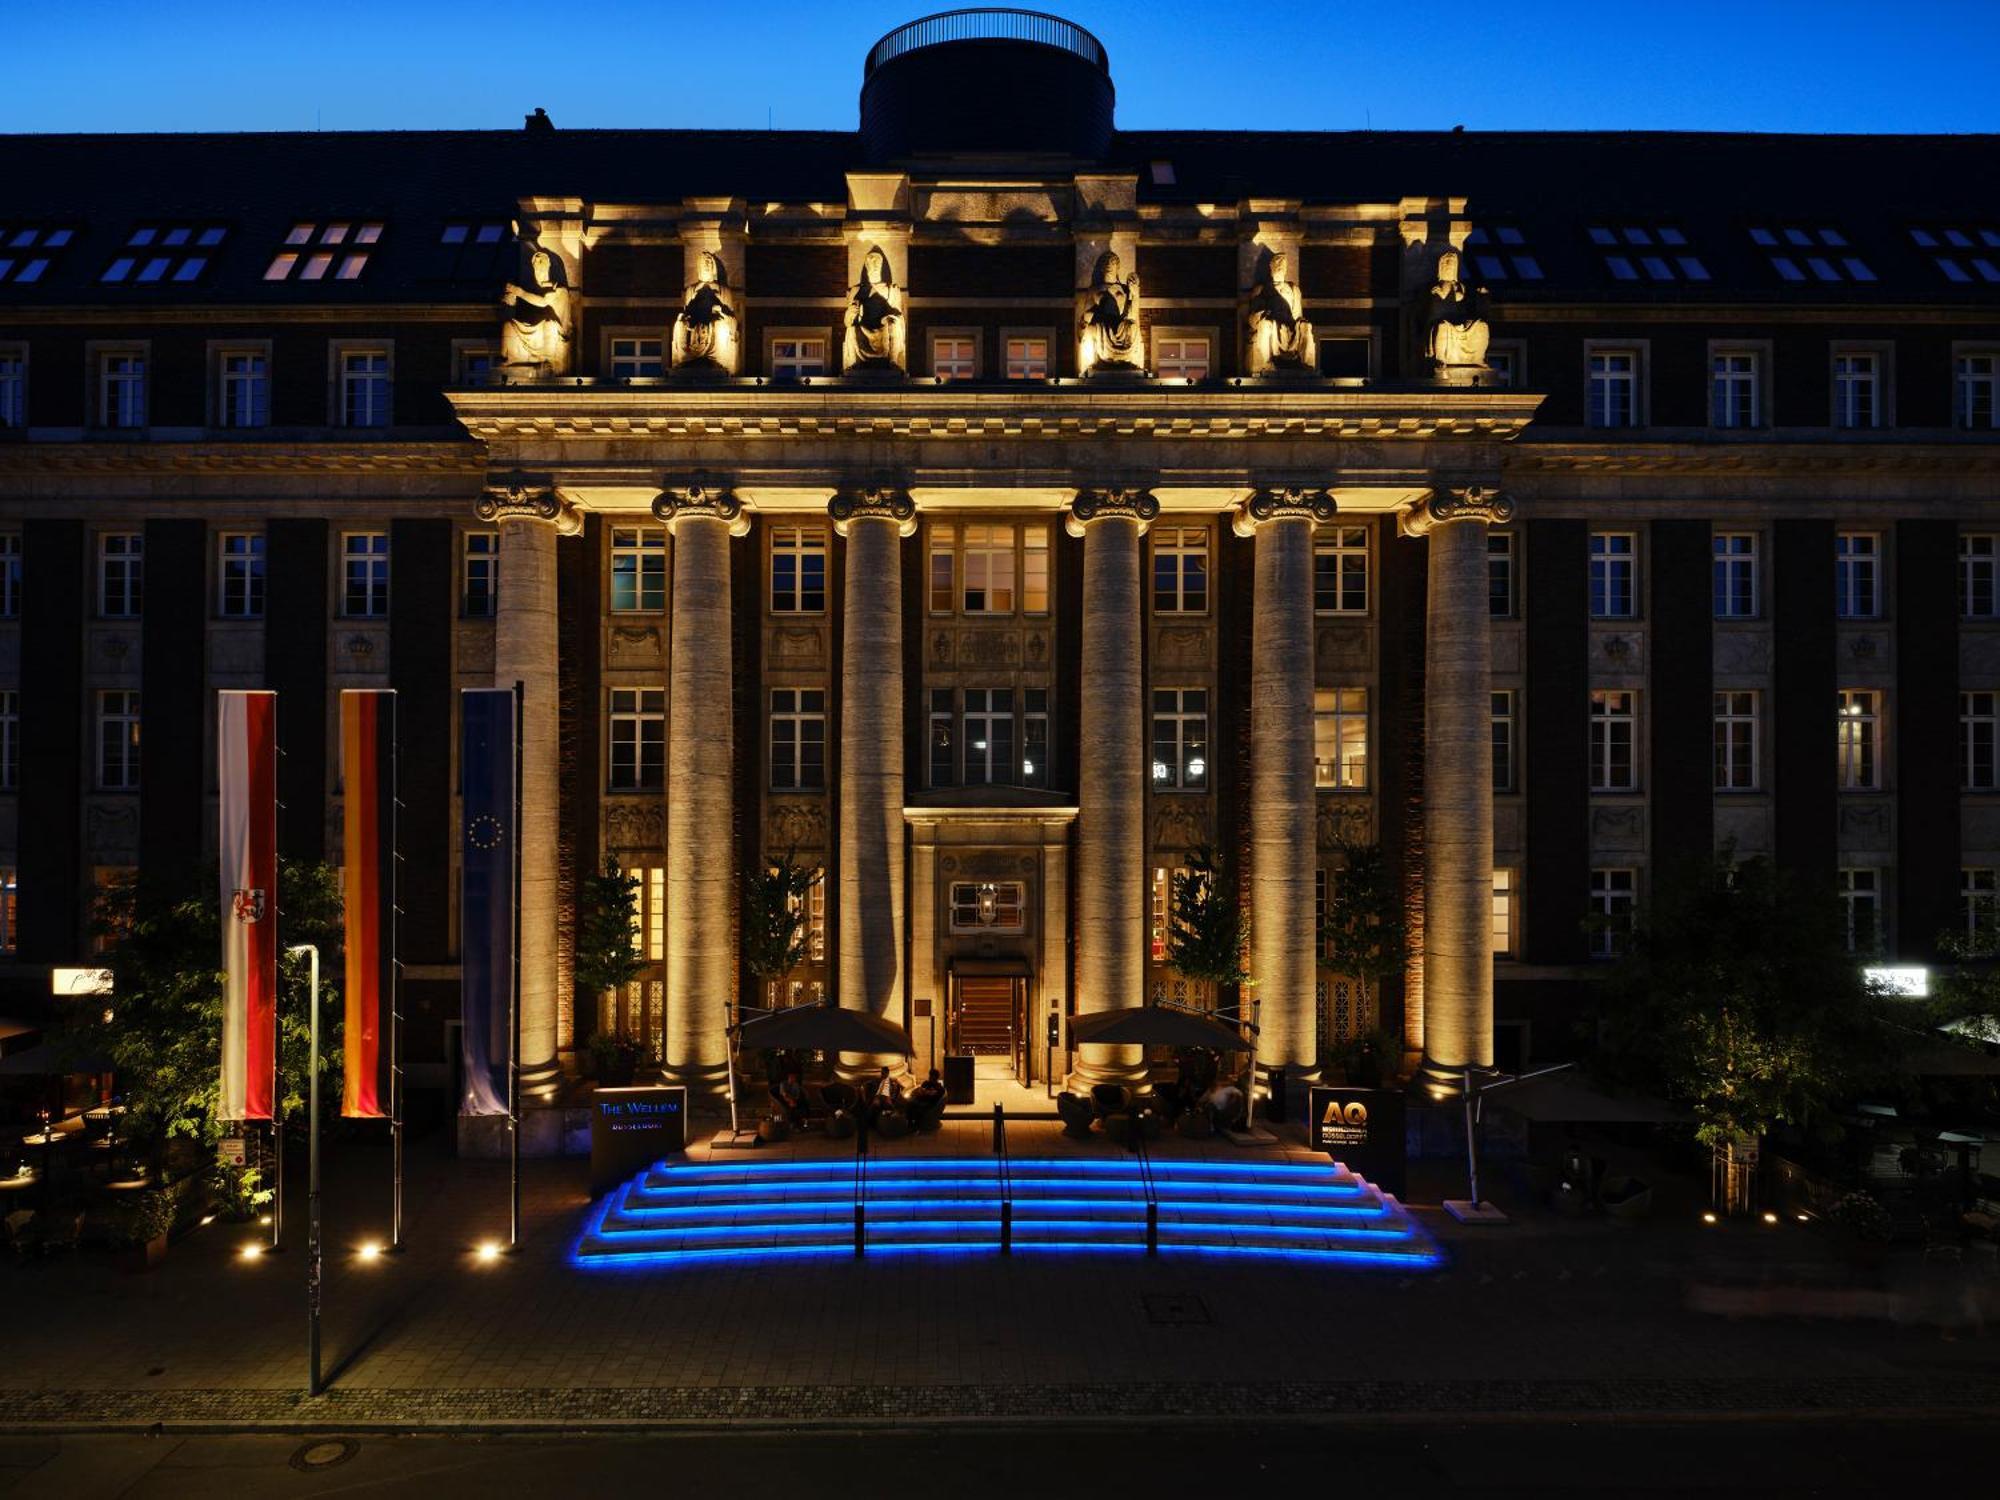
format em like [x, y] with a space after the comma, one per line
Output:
[1832, 1456]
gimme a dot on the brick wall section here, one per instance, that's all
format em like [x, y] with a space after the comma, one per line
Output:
[1924, 706]
[174, 700]
[1804, 748]
[1680, 716]
[1556, 741]
[295, 637]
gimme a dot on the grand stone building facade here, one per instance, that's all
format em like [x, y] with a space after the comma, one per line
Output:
[992, 508]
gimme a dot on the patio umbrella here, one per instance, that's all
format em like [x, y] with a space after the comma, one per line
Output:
[821, 1027]
[1156, 1026]
[53, 1060]
[1566, 1098]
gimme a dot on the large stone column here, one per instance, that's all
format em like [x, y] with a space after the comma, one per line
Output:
[1111, 774]
[871, 757]
[701, 868]
[524, 651]
[1283, 817]
[1458, 785]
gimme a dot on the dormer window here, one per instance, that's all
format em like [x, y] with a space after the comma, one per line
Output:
[1646, 252]
[164, 252]
[1801, 254]
[313, 251]
[1500, 252]
[1964, 255]
[25, 251]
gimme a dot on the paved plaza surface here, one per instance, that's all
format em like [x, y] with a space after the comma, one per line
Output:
[1548, 1317]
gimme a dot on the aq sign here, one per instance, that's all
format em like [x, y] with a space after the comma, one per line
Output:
[631, 1128]
[1364, 1129]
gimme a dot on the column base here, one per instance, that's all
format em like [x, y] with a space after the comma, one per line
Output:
[1124, 1066]
[705, 1082]
[541, 1082]
[859, 1067]
[1442, 1081]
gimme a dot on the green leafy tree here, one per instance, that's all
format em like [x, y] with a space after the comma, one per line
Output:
[1207, 934]
[774, 918]
[607, 928]
[1362, 932]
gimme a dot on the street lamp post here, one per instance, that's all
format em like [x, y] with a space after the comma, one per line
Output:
[313, 1244]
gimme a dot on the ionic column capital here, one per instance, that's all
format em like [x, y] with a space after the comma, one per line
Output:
[1109, 504]
[677, 503]
[1283, 505]
[1441, 507]
[879, 502]
[520, 497]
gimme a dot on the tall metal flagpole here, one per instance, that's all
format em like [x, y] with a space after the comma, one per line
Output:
[514, 1001]
[313, 1240]
[395, 977]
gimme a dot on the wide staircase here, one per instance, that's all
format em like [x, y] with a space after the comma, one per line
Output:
[678, 1212]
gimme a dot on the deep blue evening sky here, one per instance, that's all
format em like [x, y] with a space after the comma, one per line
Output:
[1835, 65]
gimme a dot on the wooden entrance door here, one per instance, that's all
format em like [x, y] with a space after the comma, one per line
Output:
[986, 1022]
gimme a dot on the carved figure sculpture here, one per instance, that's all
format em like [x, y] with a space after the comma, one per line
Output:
[705, 327]
[1108, 335]
[1280, 336]
[874, 317]
[1456, 332]
[539, 322]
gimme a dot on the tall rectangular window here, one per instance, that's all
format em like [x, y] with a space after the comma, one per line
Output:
[638, 569]
[989, 570]
[10, 740]
[242, 389]
[1027, 359]
[1181, 356]
[364, 388]
[1857, 575]
[121, 388]
[10, 575]
[1340, 738]
[1978, 380]
[240, 580]
[989, 736]
[798, 570]
[1614, 575]
[1979, 904]
[1735, 575]
[1180, 570]
[1978, 599]
[1035, 737]
[365, 581]
[943, 754]
[954, 356]
[1500, 574]
[1503, 912]
[1737, 742]
[638, 739]
[792, 357]
[798, 739]
[1340, 571]
[118, 741]
[1977, 726]
[479, 575]
[1035, 568]
[943, 569]
[1503, 741]
[1612, 396]
[636, 358]
[1857, 389]
[1734, 380]
[1180, 739]
[1861, 907]
[1614, 894]
[1614, 720]
[121, 574]
[13, 389]
[1859, 726]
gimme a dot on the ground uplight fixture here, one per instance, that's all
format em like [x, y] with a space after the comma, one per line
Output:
[250, 1251]
[489, 1250]
[1769, 1217]
[1708, 1216]
[368, 1250]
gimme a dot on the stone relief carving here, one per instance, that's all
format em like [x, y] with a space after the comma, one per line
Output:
[1345, 646]
[705, 329]
[1107, 316]
[642, 644]
[989, 648]
[235, 651]
[112, 651]
[1746, 826]
[113, 828]
[1623, 650]
[941, 644]
[1455, 328]
[1618, 828]
[1865, 825]
[1180, 823]
[1342, 820]
[635, 824]
[1280, 336]
[795, 645]
[1182, 646]
[538, 326]
[795, 825]
[359, 647]
[1863, 648]
[1035, 648]
[875, 334]
[1743, 651]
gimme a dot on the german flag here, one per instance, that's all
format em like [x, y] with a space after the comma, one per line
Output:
[368, 880]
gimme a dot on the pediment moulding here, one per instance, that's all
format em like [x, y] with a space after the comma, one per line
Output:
[527, 497]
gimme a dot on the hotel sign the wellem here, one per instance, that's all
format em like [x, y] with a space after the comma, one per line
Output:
[991, 508]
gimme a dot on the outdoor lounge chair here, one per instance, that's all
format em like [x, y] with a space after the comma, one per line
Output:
[1076, 1113]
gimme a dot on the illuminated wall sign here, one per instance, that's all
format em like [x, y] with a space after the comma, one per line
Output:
[73, 982]
[1908, 981]
[631, 1128]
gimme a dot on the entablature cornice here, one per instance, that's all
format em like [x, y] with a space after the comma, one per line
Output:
[1751, 460]
[223, 459]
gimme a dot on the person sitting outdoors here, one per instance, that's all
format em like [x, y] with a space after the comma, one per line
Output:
[884, 1095]
[928, 1095]
[1224, 1103]
[790, 1096]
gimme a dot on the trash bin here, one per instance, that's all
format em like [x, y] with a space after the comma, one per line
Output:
[958, 1078]
[1274, 1107]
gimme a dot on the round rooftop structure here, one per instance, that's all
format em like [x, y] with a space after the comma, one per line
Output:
[987, 82]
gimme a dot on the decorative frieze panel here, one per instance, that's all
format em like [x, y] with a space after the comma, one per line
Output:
[114, 651]
[635, 823]
[361, 650]
[1181, 822]
[988, 648]
[634, 646]
[1617, 828]
[1746, 826]
[1868, 827]
[795, 823]
[475, 652]
[795, 646]
[1978, 654]
[1344, 819]
[1345, 648]
[236, 653]
[1181, 646]
[1981, 826]
[1742, 653]
[1618, 653]
[111, 830]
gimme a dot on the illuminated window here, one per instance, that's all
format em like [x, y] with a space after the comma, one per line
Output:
[1861, 908]
[312, 249]
[479, 597]
[798, 739]
[954, 356]
[1503, 741]
[1738, 742]
[1035, 747]
[1857, 389]
[989, 570]
[1035, 568]
[636, 358]
[1734, 570]
[1503, 912]
[242, 388]
[989, 736]
[1810, 253]
[795, 355]
[1735, 388]
[1859, 733]
[798, 570]
[1614, 895]
[638, 739]
[1340, 571]
[365, 575]
[988, 906]
[1977, 725]
[240, 575]
[1340, 738]
[121, 389]
[1181, 356]
[638, 568]
[1857, 557]
[1614, 720]
[121, 574]
[1612, 396]
[1027, 358]
[813, 908]
[365, 388]
[1180, 739]
[1180, 570]
[118, 741]
[944, 568]
[1978, 598]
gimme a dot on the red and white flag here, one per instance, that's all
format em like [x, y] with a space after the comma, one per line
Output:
[246, 749]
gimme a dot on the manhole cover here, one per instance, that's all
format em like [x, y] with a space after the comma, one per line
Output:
[326, 1453]
[1175, 1308]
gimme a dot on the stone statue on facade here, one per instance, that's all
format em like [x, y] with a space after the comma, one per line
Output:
[1108, 336]
[705, 327]
[538, 327]
[874, 317]
[1280, 336]
[1455, 328]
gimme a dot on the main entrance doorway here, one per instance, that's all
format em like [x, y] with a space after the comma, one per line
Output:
[987, 1018]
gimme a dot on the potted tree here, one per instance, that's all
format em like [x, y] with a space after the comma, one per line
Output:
[607, 958]
[774, 921]
[1363, 938]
